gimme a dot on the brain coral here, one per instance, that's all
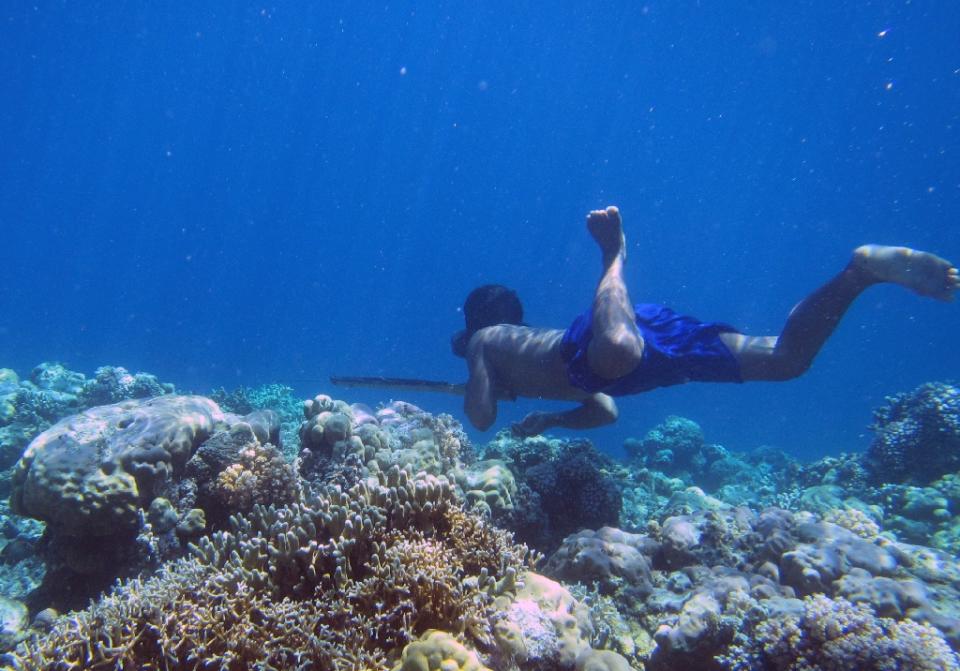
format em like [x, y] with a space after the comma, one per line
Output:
[88, 473]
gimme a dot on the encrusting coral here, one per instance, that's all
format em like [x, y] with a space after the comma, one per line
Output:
[343, 580]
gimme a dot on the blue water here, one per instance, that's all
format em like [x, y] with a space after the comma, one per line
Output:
[242, 193]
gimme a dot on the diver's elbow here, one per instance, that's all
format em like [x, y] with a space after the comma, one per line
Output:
[483, 425]
[481, 419]
[482, 422]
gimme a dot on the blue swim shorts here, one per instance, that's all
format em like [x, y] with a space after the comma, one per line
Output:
[677, 349]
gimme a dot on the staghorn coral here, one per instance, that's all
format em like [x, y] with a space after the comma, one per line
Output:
[340, 581]
[835, 635]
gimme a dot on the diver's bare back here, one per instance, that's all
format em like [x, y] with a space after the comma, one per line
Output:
[527, 362]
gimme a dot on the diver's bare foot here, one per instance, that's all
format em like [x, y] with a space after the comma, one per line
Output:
[921, 272]
[607, 229]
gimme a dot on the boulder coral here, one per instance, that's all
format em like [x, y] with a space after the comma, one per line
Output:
[51, 392]
[89, 473]
[606, 557]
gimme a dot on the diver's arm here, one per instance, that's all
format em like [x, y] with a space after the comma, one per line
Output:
[479, 401]
[596, 410]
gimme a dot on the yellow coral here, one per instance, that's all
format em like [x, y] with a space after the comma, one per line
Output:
[853, 519]
[438, 651]
[261, 476]
[601, 660]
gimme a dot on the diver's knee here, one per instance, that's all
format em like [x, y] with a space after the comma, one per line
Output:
[788, 369]
[613, 357]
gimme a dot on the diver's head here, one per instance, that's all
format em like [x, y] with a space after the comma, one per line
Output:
[488, 305]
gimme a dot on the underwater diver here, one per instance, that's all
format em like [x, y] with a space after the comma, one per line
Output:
[617, 348]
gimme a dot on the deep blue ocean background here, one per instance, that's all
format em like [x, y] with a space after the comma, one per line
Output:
[235, 193]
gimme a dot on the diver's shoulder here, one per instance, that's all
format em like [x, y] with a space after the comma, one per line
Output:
[511, 336]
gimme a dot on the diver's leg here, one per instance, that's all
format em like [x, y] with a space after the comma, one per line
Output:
[812, 321]
[616, 346]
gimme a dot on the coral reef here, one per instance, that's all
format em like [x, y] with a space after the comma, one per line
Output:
[384, 540]
[277, 398]
[694, 579]
[563, 486]
[489, 486]
[343, 443]
[112, 384]
[543, 626]
[438, 651]
[826, 633]
[260, 476]
[343, 580]
[88, 473]
[118, 486]
[52, 392]
[607, 557]
[677, 449]
[917, 436]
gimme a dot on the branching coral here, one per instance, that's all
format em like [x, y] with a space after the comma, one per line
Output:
[261, 475]
[341, 581]
[834, 635]
[853, 519]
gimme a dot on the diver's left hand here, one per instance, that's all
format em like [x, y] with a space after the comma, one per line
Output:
[532, 425]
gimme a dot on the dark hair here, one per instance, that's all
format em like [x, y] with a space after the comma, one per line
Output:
[487, 305]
